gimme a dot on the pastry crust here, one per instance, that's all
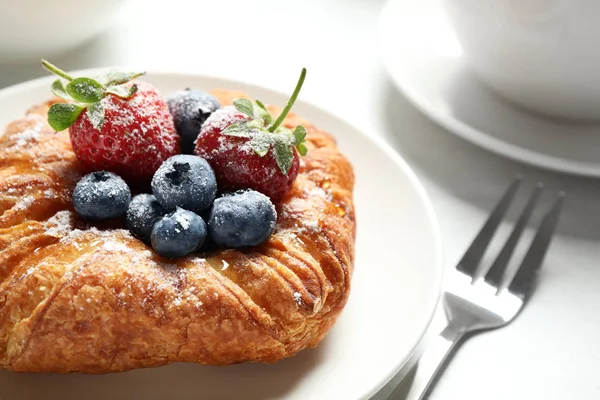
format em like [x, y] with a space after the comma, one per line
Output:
[85, 299]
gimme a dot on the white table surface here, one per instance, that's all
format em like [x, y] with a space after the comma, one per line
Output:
[550, 351]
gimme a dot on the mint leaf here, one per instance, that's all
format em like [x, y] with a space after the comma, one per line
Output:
[62, 115]
[244, 106]
[59, 90]
[122, 91]
[238, 130]
[95, 112]
[261, 144]
[284, 132]
[133, 90]
[263, 113]
[301, 149]
[85, 90]
[299, 134]
[118, 77]
[261, 105]
[254, 124]
[284, 156]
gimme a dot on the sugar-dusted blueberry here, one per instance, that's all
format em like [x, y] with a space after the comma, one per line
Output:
[190, 108]
[178, 234]
[245, 218]
[185, 181]
[101, 195]
[144, 210]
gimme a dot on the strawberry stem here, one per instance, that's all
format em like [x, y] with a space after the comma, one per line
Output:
[290, 102]
[55, 70]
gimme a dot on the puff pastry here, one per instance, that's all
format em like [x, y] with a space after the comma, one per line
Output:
[76, 298]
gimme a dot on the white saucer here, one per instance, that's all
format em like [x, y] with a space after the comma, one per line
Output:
[395, 286]
[425, 60]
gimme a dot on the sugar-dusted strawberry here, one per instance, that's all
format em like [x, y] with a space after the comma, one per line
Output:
[114, 124]
[249, 149]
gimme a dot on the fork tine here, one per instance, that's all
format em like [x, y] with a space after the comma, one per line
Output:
[496, 271]
[525, 276]
[470, 260]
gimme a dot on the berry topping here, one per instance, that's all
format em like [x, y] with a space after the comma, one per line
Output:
[144, 210]
[185, 181]
[178, 234]
[248, 148]
[101, 195]
[190, 108]
[245, 218]
[126, 127]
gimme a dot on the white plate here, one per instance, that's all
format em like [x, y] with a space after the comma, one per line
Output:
[395, 286]
[424, 59]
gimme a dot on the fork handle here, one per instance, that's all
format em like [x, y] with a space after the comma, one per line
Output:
[433, 361]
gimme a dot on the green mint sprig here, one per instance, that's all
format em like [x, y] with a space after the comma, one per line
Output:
[86, 94]
[266, 133]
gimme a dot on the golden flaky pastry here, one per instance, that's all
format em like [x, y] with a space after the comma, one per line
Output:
[92, 299]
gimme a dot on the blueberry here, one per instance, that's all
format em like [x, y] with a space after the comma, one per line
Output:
[101, 195]
[144, 210]
[185, 181]
[178, 234]
[190, 108]
[242, 219]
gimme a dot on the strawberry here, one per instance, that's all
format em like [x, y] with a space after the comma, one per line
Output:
[126, 129]
[249, 149]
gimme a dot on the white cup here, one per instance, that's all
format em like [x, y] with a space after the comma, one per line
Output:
[541, 54]
[35, 29]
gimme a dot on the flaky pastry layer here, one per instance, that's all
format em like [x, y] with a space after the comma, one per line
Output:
[75, 298]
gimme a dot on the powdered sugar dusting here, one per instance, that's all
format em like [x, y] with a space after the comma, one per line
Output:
[112, 246]
[168, 268]
[73, 235]
[182, 221]
[59, 225]
[50, 194]
[312, 226]
[27, 136]
[24, 203]
[146, 253]
[222, 118]
[106, 238]
[319, 192]
[298, 298]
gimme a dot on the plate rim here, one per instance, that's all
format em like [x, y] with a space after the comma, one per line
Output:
[464, 130]
[379, 142]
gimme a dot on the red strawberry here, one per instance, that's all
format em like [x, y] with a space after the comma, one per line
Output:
[247, 148]
[138, 134]
[126, 128]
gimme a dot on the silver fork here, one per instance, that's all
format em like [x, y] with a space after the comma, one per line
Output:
[474, 302]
